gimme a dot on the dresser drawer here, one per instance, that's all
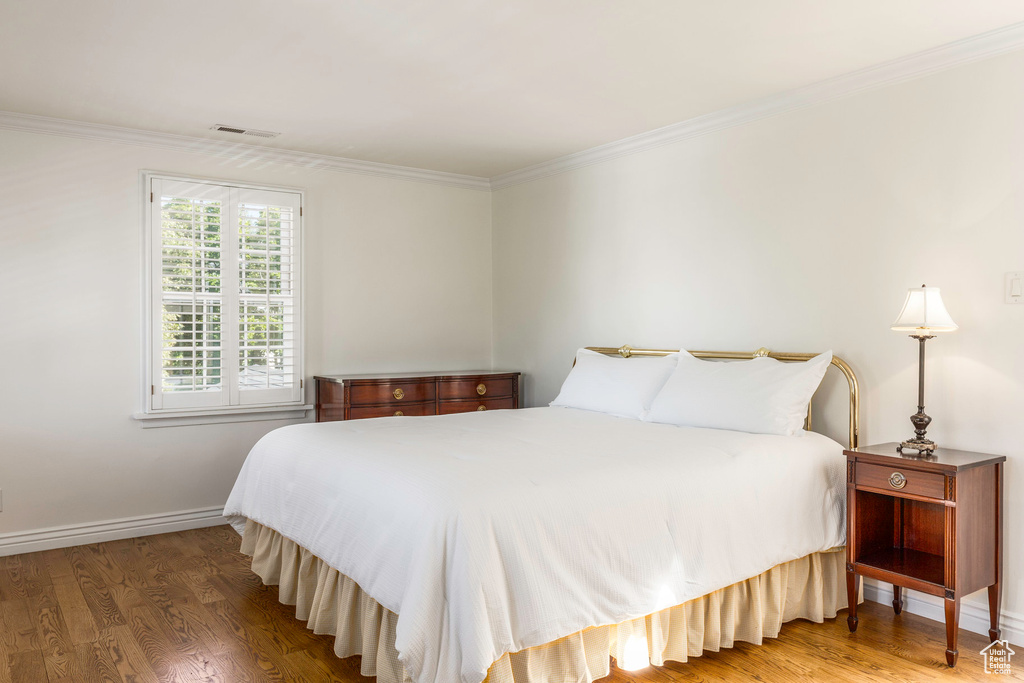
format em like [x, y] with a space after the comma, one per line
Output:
[330, 392]
[330, 412]
[475, 387]
[449, 407]
[391, 393]
[899, 480]
[409, 409]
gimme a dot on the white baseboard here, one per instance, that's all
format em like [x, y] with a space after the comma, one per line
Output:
[34, 540]
[973, 616]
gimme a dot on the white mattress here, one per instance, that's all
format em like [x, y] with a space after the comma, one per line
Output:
[497, 531]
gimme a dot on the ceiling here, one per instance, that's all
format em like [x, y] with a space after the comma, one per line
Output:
[463, 86]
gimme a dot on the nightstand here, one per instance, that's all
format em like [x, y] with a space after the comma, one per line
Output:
[932, 524]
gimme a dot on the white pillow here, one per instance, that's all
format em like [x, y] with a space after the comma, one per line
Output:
[762, 396]
[617, 386]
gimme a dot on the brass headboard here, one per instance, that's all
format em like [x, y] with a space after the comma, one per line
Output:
[627, 351]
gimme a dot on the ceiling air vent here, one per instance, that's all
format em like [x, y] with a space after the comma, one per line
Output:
[245, 131]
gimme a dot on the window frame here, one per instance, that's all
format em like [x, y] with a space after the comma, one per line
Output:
[152, 415]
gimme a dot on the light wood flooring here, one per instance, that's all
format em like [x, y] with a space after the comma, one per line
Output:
[184, 607]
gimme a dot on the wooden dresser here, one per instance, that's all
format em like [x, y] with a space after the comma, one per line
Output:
[351, 397]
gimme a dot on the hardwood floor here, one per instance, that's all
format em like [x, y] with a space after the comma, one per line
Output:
[184, 607]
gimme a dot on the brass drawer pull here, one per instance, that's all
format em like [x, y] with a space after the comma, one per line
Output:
[481, 388]
[398, 394]
[482, 408]
[399, 413]
[897, 480]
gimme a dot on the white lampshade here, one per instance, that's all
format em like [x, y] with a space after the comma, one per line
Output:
[923, 311]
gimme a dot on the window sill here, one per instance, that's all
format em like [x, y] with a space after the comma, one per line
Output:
[180, 418]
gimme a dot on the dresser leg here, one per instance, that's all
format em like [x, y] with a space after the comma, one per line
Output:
[897, 599]
[952, 626]
[994, 594]
[852, 593]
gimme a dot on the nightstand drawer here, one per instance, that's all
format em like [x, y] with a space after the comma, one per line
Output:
[901, 480]
[392, 393]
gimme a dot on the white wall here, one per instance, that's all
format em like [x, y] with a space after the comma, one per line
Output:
[800, 233]
[398, 277]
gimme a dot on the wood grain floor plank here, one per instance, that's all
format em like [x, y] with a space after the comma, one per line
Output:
[260, 607]
[182, 616]
[249, 643]
[19, 633]
[161, 653]
[190, 570]
[136, 571]
[5, 660]
[28, 667]
[126, 655]
[105, 611]
[57, 564]
[96, 664]
[58, 650]
[77, 615]
[7, 591]
[156, 561]
[184, 542]
[7, 633]
[104, 568]
[25, 576]
[199, 583]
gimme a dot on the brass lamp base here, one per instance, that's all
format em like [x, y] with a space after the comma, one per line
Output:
[920, 445]
[920, 420]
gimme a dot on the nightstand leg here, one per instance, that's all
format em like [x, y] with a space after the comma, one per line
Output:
[952, 626]
[995, 590]
[852, 593]
[994, 593]
[897, 599]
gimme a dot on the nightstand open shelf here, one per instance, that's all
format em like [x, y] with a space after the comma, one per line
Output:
[913, 563]
[900, 536]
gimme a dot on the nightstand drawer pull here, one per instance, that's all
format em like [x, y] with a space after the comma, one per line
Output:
[482, 408]
[399, 413]
[481, 388]
[897, 480]
[398, 394]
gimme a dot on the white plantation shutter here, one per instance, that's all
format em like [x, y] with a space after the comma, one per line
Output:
[267, 296]
[225, 326]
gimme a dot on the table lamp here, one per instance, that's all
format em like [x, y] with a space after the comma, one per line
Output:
[923, 314]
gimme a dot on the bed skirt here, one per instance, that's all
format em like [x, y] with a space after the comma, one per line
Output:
[811, 587]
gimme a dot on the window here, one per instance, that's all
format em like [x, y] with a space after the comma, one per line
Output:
[224, 326]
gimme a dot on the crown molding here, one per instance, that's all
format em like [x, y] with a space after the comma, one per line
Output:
[917, 65]
[235, 151]
[974, 48]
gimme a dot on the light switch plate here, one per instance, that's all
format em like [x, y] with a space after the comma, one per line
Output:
[1015, 288]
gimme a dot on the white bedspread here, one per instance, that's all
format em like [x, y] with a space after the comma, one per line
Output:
[497, 531]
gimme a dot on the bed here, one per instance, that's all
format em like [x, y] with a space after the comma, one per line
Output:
[527, 546]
